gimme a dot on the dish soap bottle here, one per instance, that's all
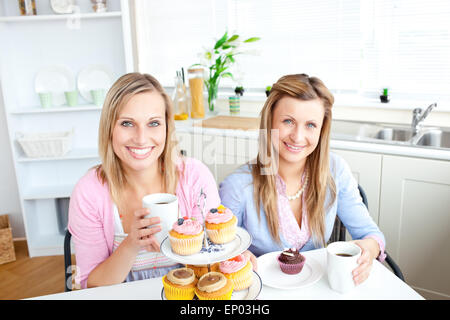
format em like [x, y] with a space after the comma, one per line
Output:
[180, 99]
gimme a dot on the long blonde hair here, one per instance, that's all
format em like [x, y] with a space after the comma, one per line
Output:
[264, 170]
[111, 171]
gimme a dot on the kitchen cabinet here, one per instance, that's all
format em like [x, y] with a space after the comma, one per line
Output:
[366, 168]
[30, 43]
[415, 219]
[221, 153]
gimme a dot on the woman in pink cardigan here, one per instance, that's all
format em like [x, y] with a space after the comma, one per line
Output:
[139, 157]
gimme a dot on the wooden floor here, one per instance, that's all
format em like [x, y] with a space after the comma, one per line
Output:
[30, 277]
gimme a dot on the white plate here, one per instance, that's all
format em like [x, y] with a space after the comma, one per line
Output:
[92, 78]
[55, 79]
[215, 253]
[272, 276]
[248, 294]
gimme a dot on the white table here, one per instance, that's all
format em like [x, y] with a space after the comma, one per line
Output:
[382, 284]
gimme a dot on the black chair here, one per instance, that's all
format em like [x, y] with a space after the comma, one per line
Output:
[67, 261]
[339, 231]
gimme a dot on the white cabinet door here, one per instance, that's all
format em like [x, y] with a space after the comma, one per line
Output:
[366, 168]
[222, 154]
[415, 218]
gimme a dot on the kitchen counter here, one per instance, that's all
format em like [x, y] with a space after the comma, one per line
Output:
[186, 126]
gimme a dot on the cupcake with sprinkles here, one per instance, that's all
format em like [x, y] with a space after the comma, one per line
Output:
[291, 261]
[221, 225]
[186, 236]
[239, 271]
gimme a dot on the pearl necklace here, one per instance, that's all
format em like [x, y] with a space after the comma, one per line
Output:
[300, 191]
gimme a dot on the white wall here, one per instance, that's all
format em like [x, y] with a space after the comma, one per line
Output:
[9, 195]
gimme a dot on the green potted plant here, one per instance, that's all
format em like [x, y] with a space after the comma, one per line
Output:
[384, 98]
[268, 88]
[218, 61]
[239, 90]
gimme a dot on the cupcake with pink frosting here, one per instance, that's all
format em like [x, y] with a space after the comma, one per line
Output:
[221, 225]
[186, 236]
[239, 271]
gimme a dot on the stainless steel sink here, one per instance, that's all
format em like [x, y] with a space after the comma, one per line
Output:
[434, 138]
[395, 134]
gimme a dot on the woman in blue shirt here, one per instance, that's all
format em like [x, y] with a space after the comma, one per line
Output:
[290, 194]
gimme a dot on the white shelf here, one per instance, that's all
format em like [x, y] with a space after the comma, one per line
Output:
[34, 42]
[38, 109]
[47, 245]
[75, 154]
[53, 17]
[48, 192]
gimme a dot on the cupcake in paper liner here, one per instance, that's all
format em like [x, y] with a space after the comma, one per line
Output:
[221, 225]
[179, 284]
[186, 236]
[239, 270]
[291, 261]
[201, 269]
[214, 286]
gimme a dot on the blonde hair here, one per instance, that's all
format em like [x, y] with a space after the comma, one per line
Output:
[264, 171]
[111, 171]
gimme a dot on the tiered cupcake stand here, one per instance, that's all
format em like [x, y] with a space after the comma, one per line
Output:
[213, 253]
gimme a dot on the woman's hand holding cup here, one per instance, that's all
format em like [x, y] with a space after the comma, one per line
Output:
[143, 230]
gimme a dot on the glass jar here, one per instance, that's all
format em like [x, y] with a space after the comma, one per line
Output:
[180, 99]
[27, 7]
[196, 88]
[99, 5]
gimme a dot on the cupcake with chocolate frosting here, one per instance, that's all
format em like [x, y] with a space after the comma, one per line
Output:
[291, 261]
[179, 284]
[214, 286]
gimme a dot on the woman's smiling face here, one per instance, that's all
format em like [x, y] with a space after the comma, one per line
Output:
[297, 125]
[139, 134]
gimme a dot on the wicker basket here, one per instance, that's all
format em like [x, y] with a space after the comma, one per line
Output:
[46, 144]
[7, 253]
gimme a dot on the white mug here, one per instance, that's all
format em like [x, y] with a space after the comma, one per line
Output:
[340, 267]
[164, 206]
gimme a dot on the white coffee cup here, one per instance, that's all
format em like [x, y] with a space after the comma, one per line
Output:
[340, 267]
[164, 206]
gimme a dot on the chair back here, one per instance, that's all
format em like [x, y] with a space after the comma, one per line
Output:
[67, 262]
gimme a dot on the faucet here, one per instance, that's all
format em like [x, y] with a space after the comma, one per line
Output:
[419, 115]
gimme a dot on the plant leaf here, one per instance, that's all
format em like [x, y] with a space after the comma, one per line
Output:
[252, 39]
[227, 74]
[234, 37]
[221, 41]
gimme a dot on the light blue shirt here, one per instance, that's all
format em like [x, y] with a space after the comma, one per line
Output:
[236, 193]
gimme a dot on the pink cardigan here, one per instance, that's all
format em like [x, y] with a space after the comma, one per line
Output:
[91, 219]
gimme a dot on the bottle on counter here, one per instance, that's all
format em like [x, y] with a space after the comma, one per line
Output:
[196, 89]
[180, 99]
[27, 7]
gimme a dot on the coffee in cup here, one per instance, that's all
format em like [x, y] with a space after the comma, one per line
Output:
[342, 259]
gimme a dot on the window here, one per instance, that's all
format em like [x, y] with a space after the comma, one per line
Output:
[355, 46]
